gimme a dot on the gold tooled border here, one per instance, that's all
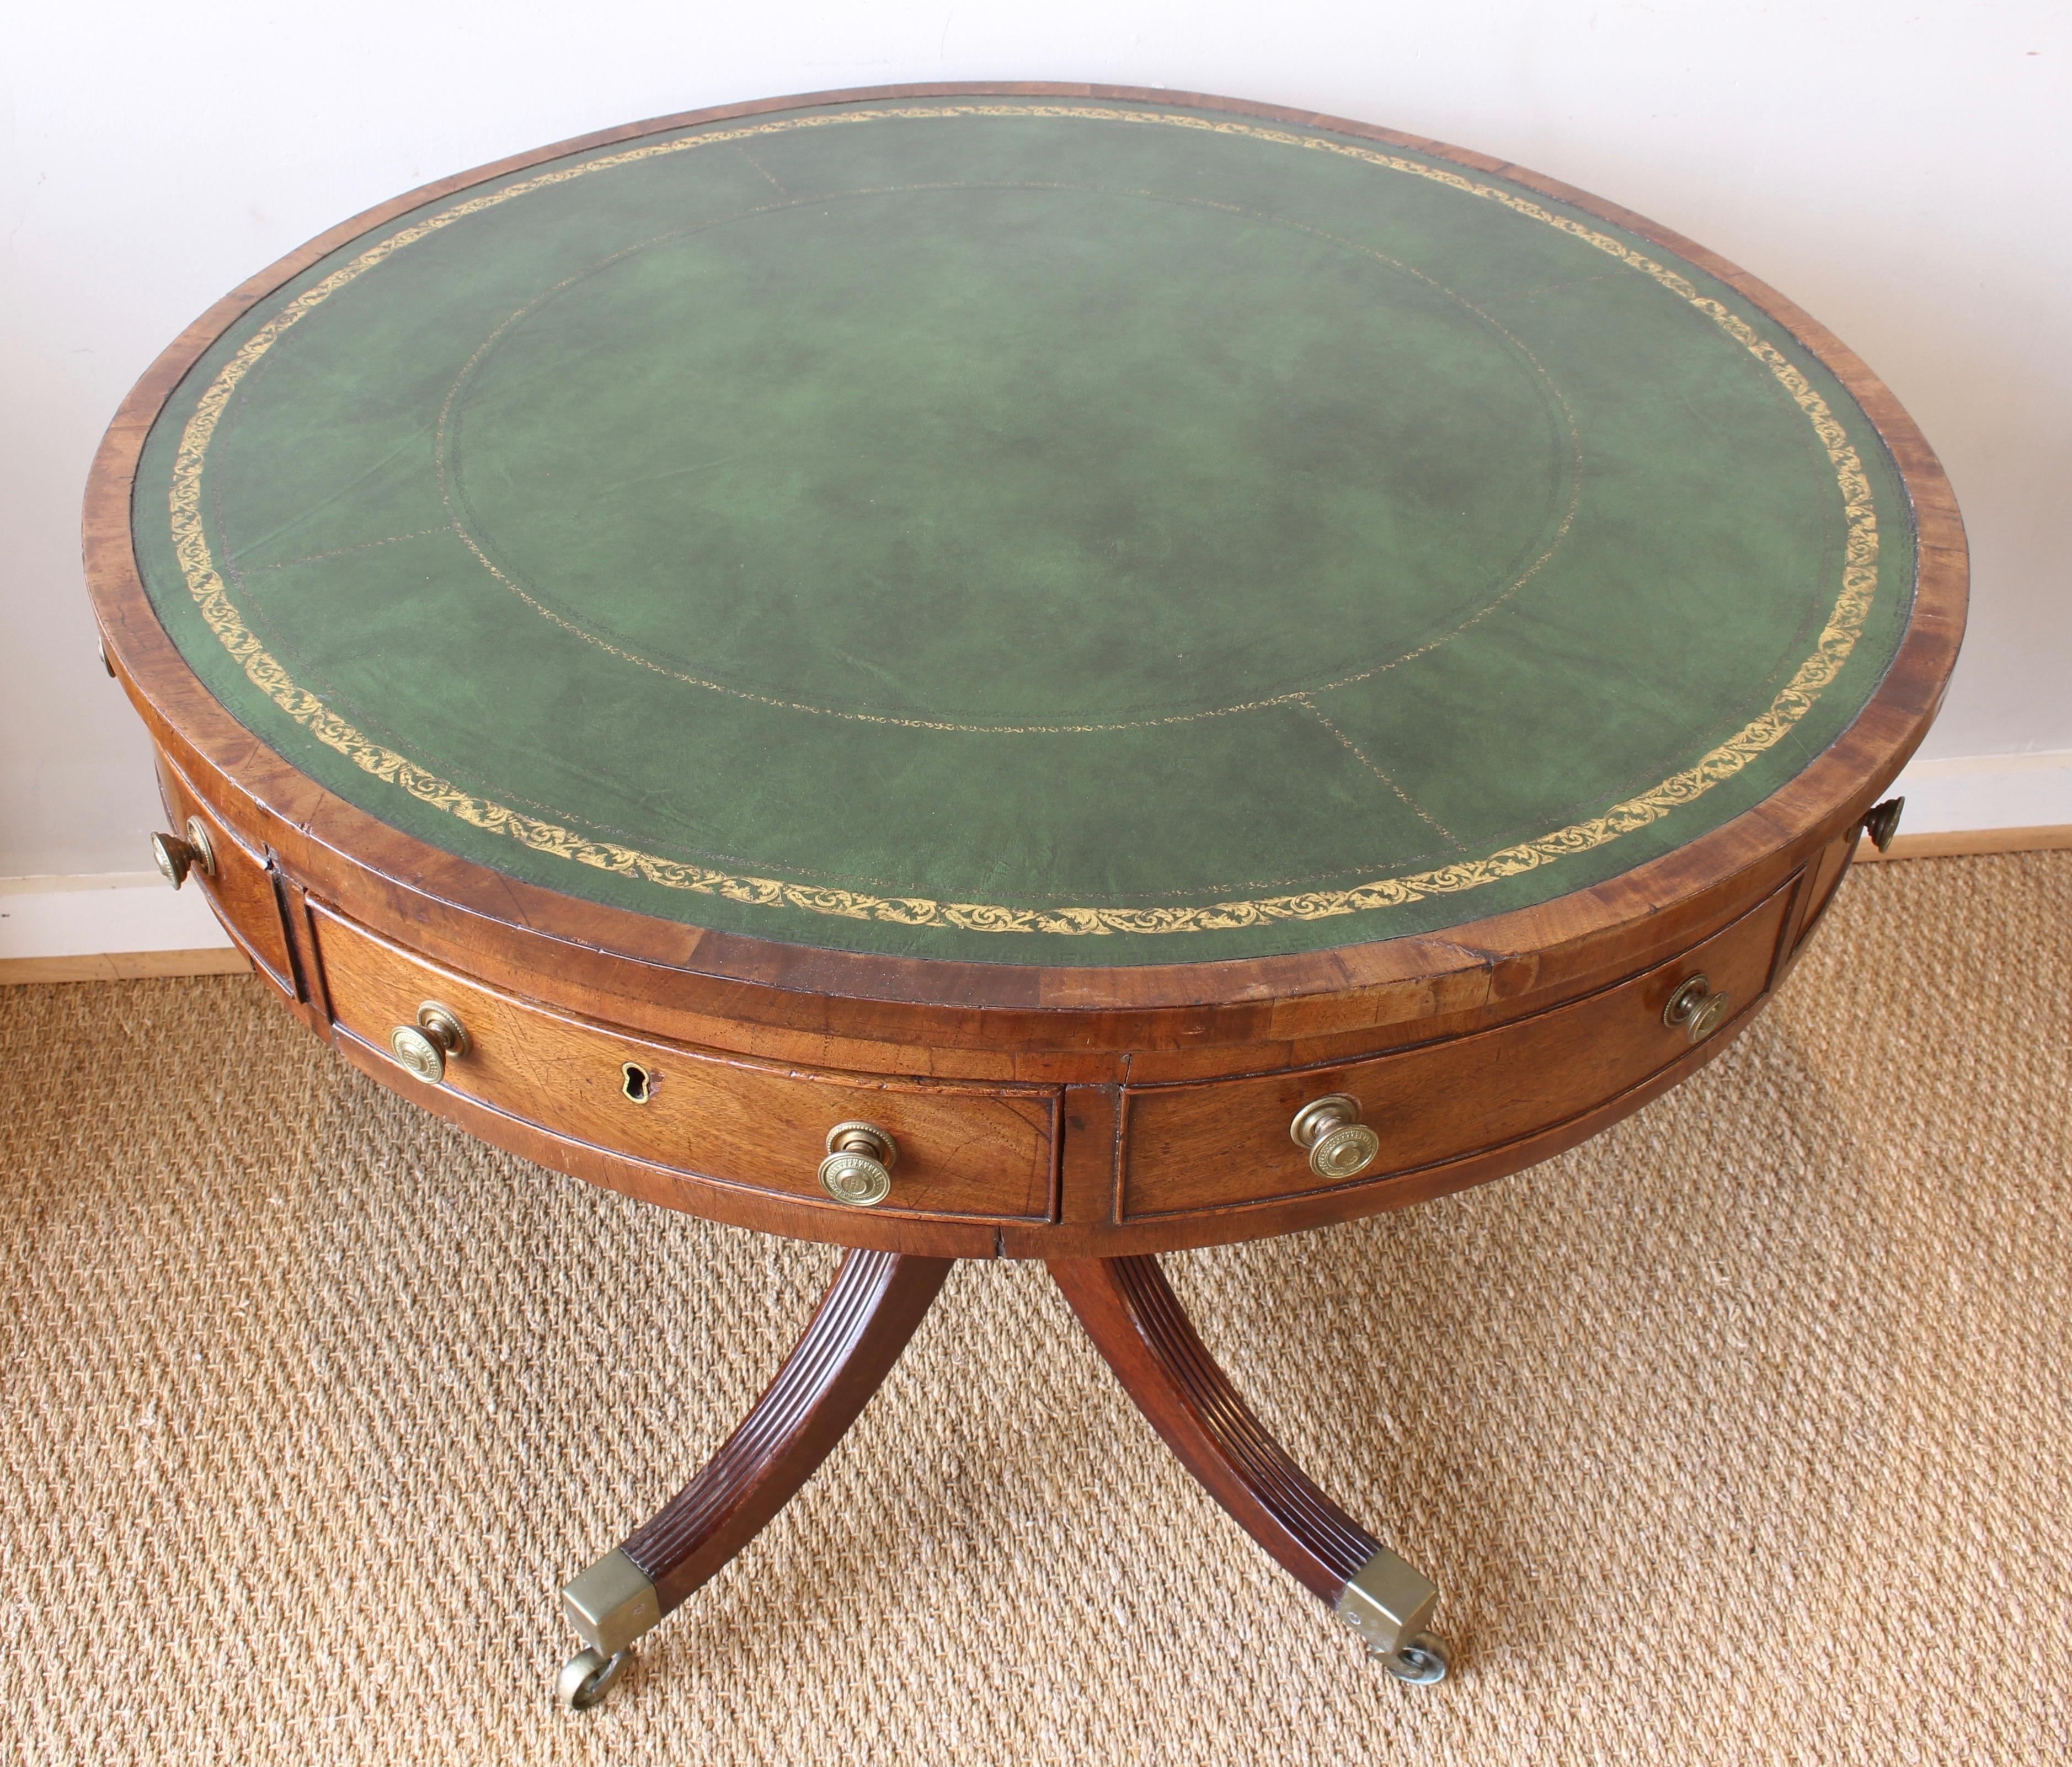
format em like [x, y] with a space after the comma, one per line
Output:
[1792, 703]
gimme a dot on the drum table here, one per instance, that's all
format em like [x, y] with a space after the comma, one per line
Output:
[1019, 673]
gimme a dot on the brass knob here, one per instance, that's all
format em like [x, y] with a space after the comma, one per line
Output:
[1696, 1008]
[423, 1047]
[1882, 823]
[175, 858]
[858, 1168]
[1340, 1145]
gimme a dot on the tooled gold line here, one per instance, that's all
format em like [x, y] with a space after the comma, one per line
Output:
[1298, 697]
[1367, 760]
[1792, 703]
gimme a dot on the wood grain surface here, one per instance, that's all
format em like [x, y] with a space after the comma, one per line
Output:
[962, 1151]
[1190, 1147]
[239, 887]
[1139, 1326]
[871, 1309]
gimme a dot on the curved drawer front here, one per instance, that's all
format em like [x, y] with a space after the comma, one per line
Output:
[1225, 1143]
[1823, 877]
[964, 1152]
[241, 888]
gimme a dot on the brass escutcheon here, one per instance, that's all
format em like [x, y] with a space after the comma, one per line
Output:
[1339, 1144]
[1697, 1009]
[858, 1168]
[423, 1047]
[175, 858]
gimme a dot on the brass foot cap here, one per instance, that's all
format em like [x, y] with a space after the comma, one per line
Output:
[611, 1604]
[1388, 1603]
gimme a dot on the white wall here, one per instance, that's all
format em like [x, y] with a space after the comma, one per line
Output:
[1901, 170]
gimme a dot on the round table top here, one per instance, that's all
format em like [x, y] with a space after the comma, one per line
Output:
[1027, 530]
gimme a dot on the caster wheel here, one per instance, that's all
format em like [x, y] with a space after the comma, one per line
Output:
[1421, 1661]
[586, 1678]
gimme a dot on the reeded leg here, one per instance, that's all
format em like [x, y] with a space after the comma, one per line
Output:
[1137, 1323]
[870, 1310]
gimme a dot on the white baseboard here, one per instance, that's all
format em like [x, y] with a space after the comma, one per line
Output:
[1983, 792]
[107, 927]
[129, 923]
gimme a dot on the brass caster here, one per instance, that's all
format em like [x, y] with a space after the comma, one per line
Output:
[586, 1678]
[1421, 1661]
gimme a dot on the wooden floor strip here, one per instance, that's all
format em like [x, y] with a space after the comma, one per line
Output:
[2050, 838]
[123, 966]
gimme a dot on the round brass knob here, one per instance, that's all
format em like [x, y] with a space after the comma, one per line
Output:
[423, 1047]
[1882, 823]
[1696, 1008]
[1340, 1145]
[175, 858]
[858, 1168]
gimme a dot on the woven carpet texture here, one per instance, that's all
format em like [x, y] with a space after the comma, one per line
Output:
[1740, 1434]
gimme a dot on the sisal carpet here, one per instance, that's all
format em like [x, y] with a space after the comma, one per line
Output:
[1740, 1434]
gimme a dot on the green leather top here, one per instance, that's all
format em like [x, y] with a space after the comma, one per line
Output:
[1026, 530]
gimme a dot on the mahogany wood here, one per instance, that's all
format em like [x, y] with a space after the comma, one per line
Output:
[762, 1210]
[314, 1008]
[1090, 1134]
[1266, 1216]
[872, 1306]
[1137, 1324]
[962, 1151]
[1825, 878]
[1481, 972]
[1189, 1148]
[555, 1103]
[241, 889]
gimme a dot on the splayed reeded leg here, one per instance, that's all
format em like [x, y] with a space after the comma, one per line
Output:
[1137, 1323]
[870, 1310]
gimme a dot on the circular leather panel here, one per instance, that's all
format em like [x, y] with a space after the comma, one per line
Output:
[1027, 530]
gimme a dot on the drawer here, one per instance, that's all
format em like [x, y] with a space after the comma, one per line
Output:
[1823, 878]
[1189, 1148]
[241, 886]
[966, 1151]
